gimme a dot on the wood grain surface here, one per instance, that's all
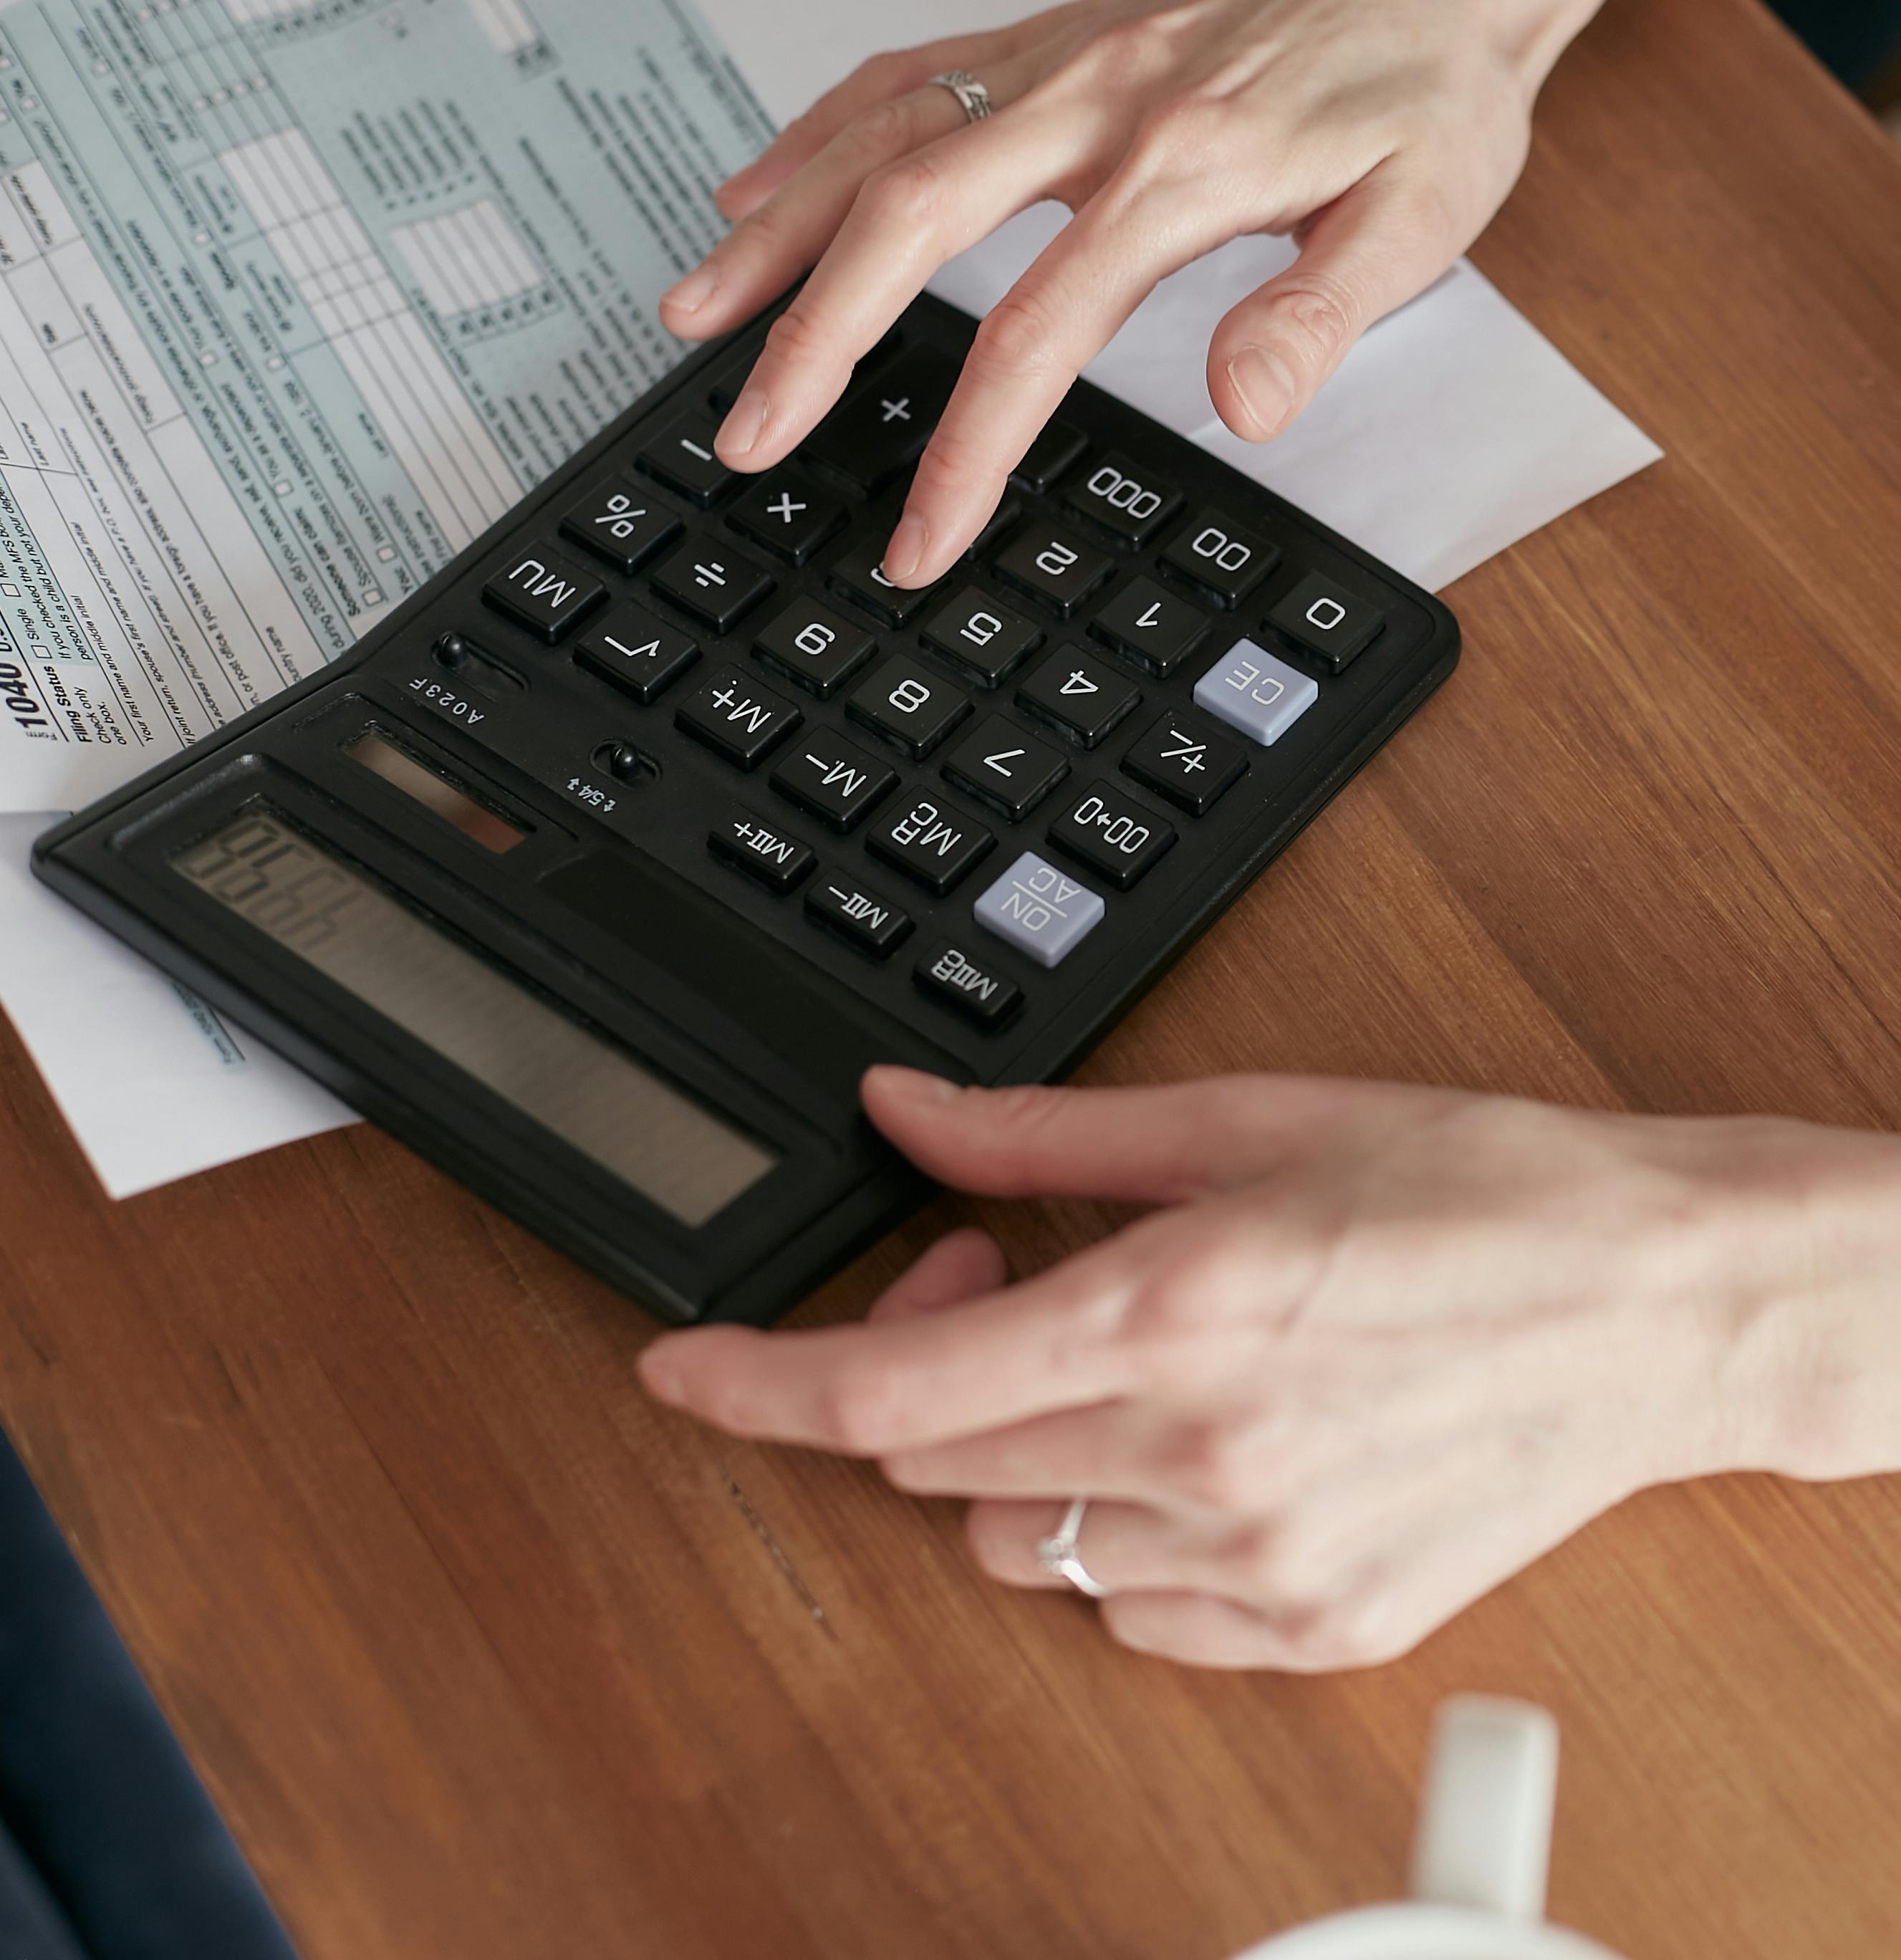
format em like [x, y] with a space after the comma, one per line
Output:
[482, 1657]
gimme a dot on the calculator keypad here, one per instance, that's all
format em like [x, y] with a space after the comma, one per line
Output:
[760, 849]
[716, 586]
[1218, 556]
[1055, 565]
[1039, 909]
[999, 763]
[737, 718]
[841, 904]
[784, 513]
[1186, 764]
[622, 524]
[904, 700]
[636, 651]
[981, 633]
[936, 731]
[1084, 698]
[1330, 620]
[1250, 689]
[543, 592]
[929, 841]
[836, 782]
[1113, 834]
[681, 456]
[1157, 626]
[810, 644]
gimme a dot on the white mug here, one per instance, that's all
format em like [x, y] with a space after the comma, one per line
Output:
[1479, 1854]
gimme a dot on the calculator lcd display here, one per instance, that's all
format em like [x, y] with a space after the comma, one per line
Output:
[592, 1095]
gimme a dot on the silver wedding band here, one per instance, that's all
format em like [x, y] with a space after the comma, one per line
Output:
[972, 96]
[1057, 1554]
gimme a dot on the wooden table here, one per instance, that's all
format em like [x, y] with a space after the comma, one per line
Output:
[483, 1657]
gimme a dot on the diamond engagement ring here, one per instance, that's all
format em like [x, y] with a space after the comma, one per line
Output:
[1056, 1553]
[972, 96]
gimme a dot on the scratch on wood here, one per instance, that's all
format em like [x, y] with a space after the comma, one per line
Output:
[776, 1552]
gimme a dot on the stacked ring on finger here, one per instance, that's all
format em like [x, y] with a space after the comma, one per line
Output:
[972, 96]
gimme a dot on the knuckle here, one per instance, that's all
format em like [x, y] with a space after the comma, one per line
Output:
[1184, 134]
[882, 131]
[797, 339]
[1318, 315]
[1017, 340]
[1208, 1462]
[1188, 1299]
[903, 194]
[859, 1410]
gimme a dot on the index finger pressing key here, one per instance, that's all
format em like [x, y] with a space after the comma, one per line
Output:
[902, 1385]
[1027, 352]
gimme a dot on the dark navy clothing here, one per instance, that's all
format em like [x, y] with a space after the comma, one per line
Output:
[110, 1849]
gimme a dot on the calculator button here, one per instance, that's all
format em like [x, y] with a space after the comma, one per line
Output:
[814, 646]
[787, 515]
[982, 633]
[638, 653]
[908, 703]
[858, 575]
[872, 923]
[1329, 619]
[1001, 519]
[1112, 833]
[1186, 766]
[1081, 695]
[715, 585]
[883, 425]
[1126, 498]
[1158, 627]
[681, 456]
[934, 845]
[1220, 558]
[543, 592]
[1056, 448]
[621, 524]
[760, 849]
[1057, 566]
[832, 779]
[736, 717]
[1039, 910]
[1001, 763]
[1250, 690]
[949, 974]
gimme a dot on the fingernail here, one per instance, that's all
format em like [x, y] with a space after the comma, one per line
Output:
[1267, 387]
[742, 426]
[689, 295]
[905, 552]
[913, 1084]
[663, 1384]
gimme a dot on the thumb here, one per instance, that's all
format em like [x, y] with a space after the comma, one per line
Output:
[1148, 1145]
[1371, 250]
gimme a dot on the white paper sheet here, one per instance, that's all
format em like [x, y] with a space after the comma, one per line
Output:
[155, 1085]
[1453, 429]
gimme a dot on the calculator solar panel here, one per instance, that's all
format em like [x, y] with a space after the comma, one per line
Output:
[602, 870]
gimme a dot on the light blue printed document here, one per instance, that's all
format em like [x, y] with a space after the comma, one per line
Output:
[295, 301]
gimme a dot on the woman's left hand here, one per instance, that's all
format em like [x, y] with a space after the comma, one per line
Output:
[1376, 1349]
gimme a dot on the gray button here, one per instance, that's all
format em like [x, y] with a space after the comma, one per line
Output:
[1040, 910]
[1250, 690]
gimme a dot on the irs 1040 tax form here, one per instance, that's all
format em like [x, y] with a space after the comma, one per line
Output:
[297, 297]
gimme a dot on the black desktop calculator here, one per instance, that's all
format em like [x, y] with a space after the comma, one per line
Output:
[600, 872]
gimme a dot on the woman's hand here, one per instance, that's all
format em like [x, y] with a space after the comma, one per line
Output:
[1377, 1348]
[1383, 134]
